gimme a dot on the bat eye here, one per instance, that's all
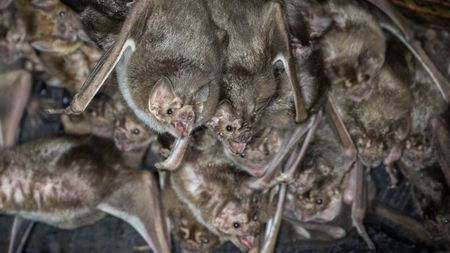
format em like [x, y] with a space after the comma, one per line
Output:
[236, 225]
[169, 111]
[319, 201]
[229, 128]
[62, 14]
[366, 77]
[135, 131]
[204, 240]
[445, 221]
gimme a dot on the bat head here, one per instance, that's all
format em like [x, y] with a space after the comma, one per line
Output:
[322, 203]
[232, 131]
[130, 133]
[177, 114]
[59, 27]
[371, 150]
[192, 236]
[353, 57]
[239, 221]
[259, 152]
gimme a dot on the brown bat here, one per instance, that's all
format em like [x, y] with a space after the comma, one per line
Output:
[258, 43]
[163, 105]
[69, 182]
[316, 194]
[353, 49]
[191, 235]
[170, 86]
[402, 29]
[355, 191]
[218, 198]
[259, 151]
[51, 25]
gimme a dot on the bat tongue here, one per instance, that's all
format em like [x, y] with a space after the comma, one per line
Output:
[238, 147]
[247, 242]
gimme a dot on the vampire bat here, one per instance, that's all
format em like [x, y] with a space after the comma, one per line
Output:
[171, 87]
[257, 42]
[403, 30]
[316, 194]
[215, 193]
[259, 151]
[379, 123]
[254, 51]
[51, 25]
[69, 182]
[190, 234]
[353, 49]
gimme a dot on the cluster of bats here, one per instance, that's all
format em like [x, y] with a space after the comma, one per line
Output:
[258, 111]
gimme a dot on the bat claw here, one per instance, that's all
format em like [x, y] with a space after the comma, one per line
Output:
[67, 111]
[55, 111]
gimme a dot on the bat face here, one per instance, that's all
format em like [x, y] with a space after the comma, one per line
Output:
[191, 236]
[238, 221]
[231, 130]
[130, 133]
[417, 152]
[52, 26]
[353, 50]
[321, 204]
[170, 110]
[352, 72]
[371, 151]
[237, 118]
[259, 152]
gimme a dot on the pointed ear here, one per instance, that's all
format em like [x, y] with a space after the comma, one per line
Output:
[280, 50]
[161, 92]
[338, 20]
[223, 110]
[319, 25]
[43, 46]
[202, 94]
[44, 4]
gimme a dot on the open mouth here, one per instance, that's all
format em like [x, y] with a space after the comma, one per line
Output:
[181, 128]
[247, 242]
[237, 147]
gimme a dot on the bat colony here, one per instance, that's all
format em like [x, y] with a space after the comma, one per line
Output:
[259, 111]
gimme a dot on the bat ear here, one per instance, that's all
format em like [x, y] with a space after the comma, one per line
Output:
[280, 50]
[319, 25]
[202, 94]
[338, 20]
[162, 91]
[223, 110]
[44, 4]
[44, 46]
